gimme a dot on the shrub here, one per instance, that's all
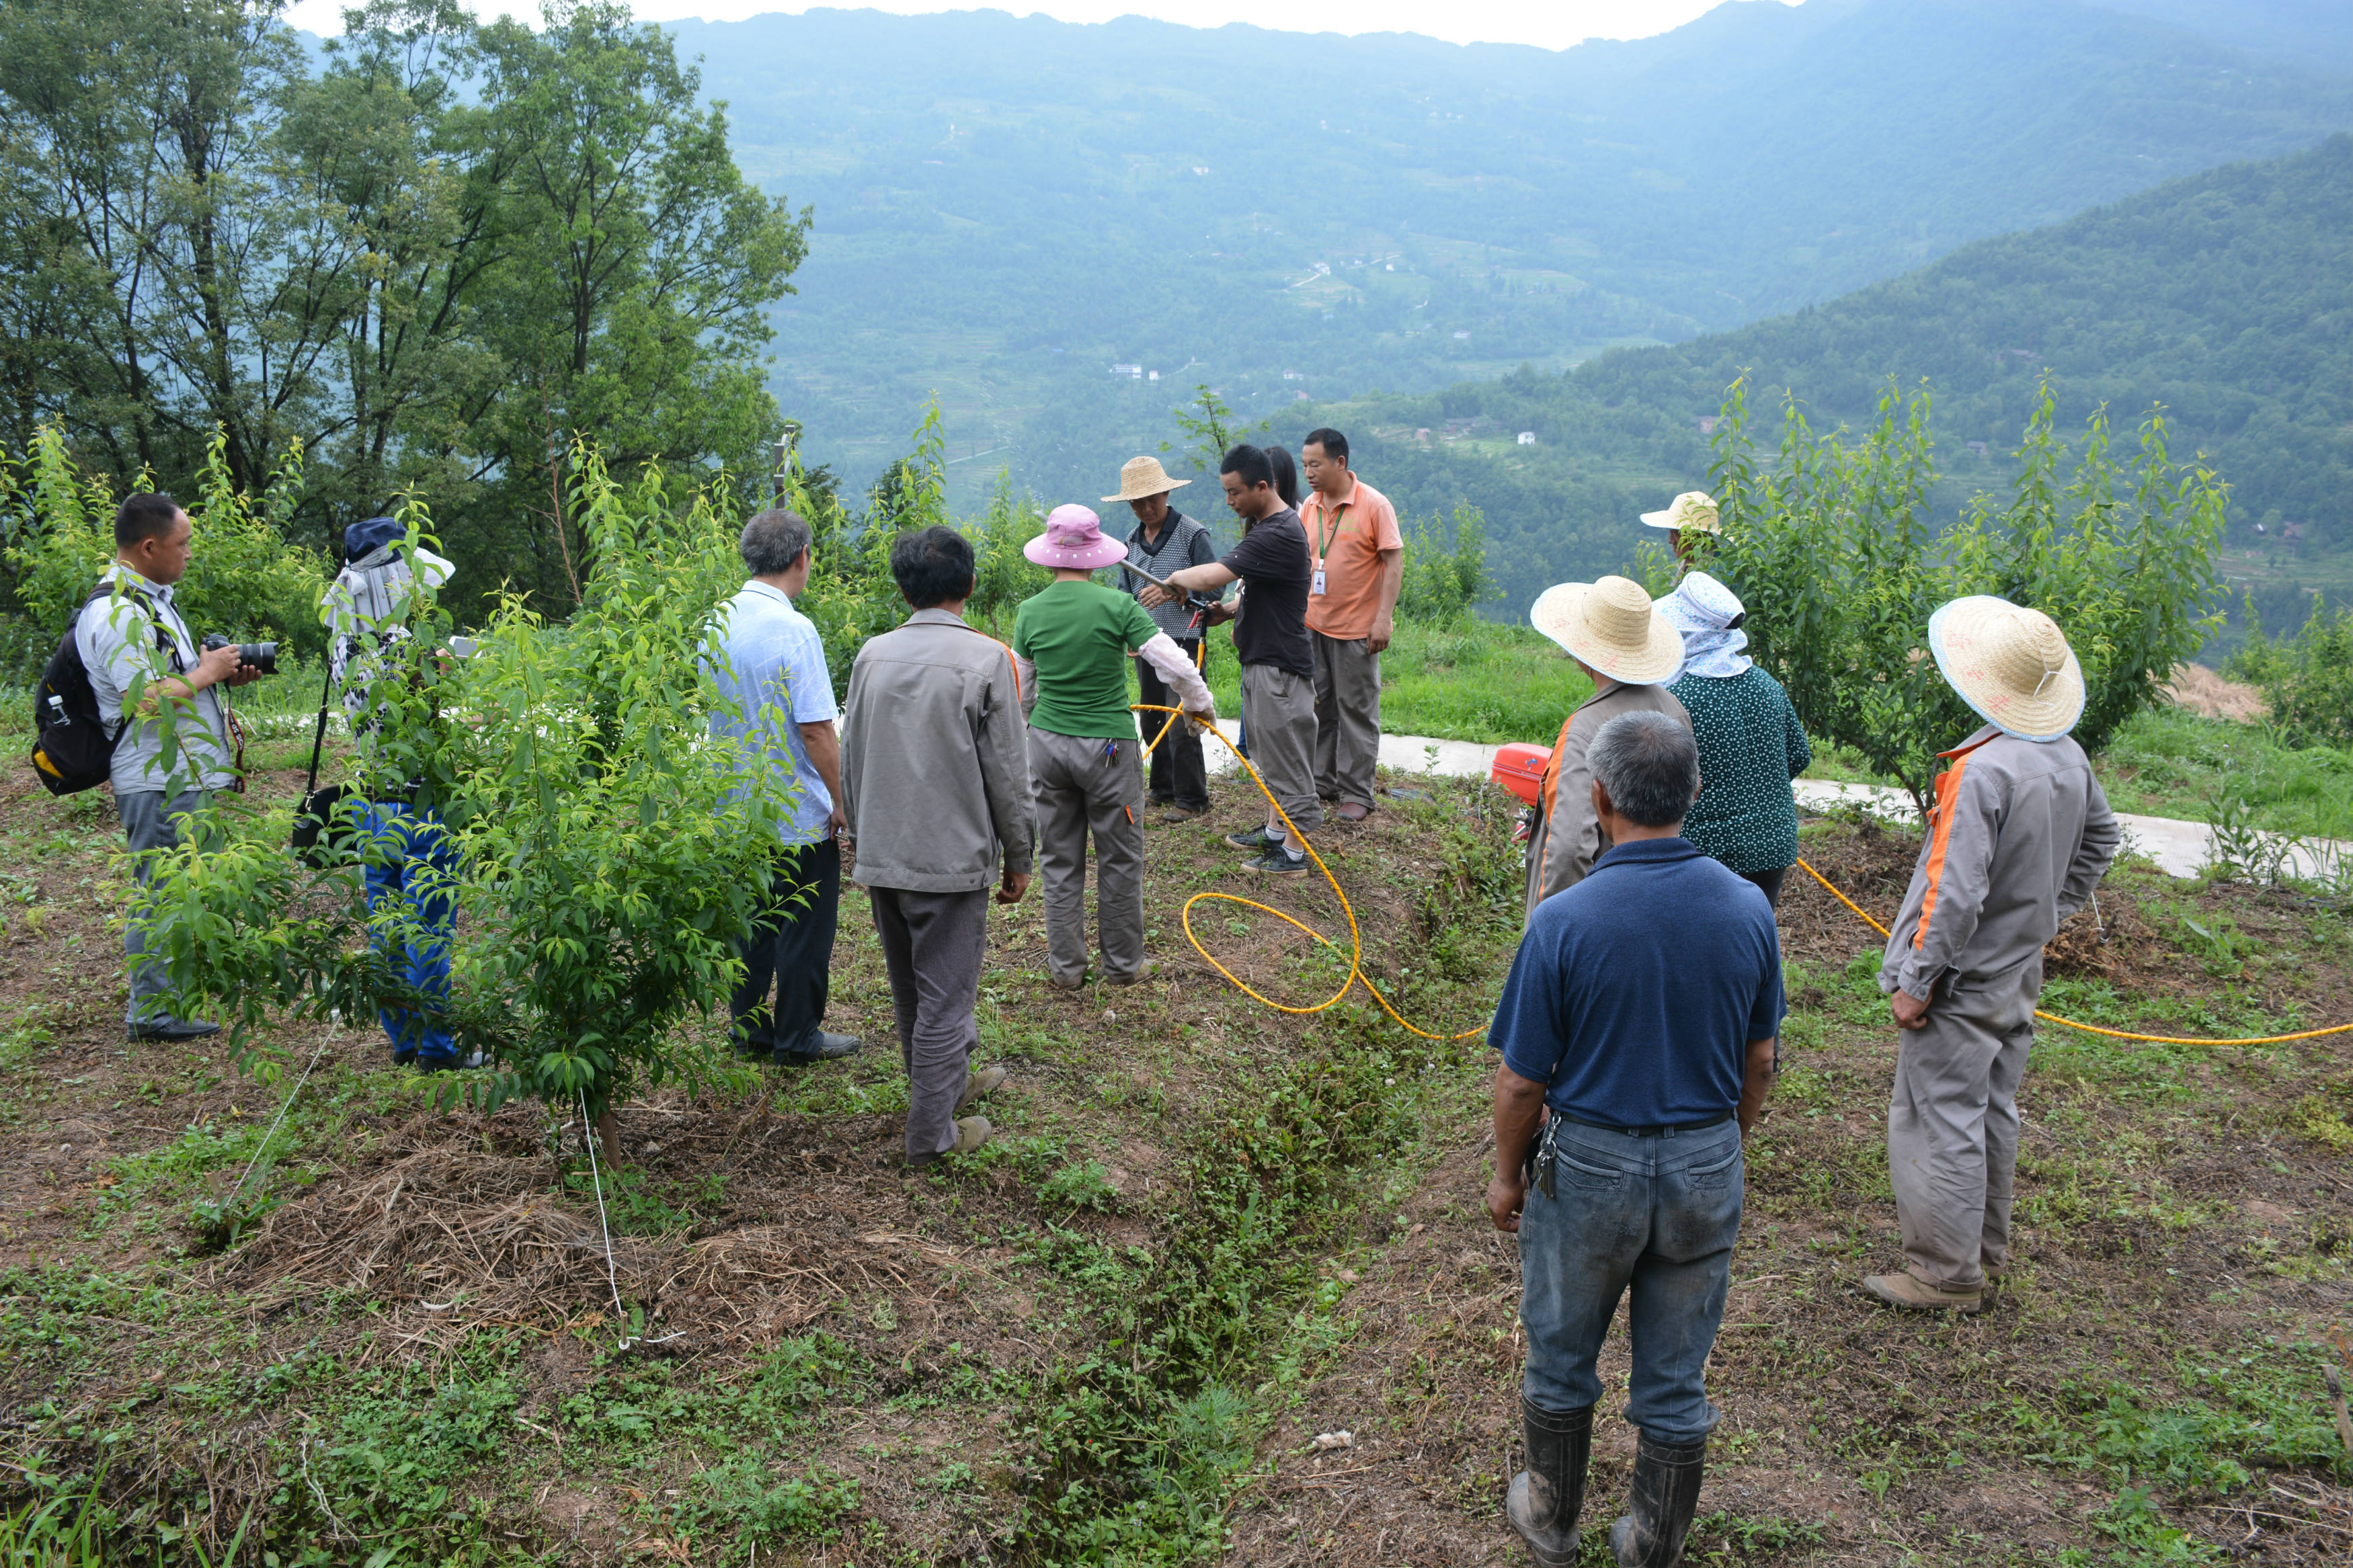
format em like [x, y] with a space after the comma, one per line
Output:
[2307, 679]
[245, 580]
[1445, 581]
[1832, 546]
[609, 847]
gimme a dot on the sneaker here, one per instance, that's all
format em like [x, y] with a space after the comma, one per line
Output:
[980, 1086]
[828, 1048]
[972, 1132]
[1258, 840]
[466, 1063]
[1173, 815]
[1143, 972]
[1912, 1295]
[170, 1029]
[1067, 985]
[1350, 811]
[1279, 862]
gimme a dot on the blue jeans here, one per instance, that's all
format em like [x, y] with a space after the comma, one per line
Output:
[1658, 1214]
[412, 900]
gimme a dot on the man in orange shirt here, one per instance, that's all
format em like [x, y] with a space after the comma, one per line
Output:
[1358, 566]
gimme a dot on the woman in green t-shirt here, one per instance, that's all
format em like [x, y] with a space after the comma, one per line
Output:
[1071, 642]
[1750, 741]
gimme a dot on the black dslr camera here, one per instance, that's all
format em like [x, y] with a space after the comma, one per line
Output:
[261, 656]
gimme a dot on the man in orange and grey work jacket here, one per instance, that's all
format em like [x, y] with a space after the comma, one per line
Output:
[2019, 838]
[1630, 651]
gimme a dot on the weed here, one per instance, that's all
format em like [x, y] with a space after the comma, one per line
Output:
[742, 1497]
[1080, 1187]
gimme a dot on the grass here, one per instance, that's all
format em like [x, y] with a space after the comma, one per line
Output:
[1207, 1234]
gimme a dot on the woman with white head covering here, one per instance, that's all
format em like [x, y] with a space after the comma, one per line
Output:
[1750, 741]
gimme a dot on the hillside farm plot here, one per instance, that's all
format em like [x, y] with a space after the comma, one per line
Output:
[1207, 1234]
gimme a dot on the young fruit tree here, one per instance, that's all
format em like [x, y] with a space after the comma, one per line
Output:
[1833, 548]
[606, 852]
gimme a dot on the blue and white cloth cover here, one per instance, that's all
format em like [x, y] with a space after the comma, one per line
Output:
[1703, 610]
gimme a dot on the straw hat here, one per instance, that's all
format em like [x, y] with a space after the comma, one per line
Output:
[1074, 538]
[1695, 509]
[1612, 627]
[2012, 665]
[1142, 477]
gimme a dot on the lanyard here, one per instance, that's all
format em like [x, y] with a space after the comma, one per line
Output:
[1338, 518]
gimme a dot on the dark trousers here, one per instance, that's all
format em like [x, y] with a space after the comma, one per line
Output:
[791, 949]
[1770, 882]
[1179, 773]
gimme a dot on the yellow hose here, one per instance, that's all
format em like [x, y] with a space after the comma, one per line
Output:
[1355, 937]
[2095, 1028]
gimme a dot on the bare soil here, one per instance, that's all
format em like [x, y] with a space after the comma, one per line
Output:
[2181, 1210]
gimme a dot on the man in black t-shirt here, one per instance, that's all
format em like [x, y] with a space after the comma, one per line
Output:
[1274, 566]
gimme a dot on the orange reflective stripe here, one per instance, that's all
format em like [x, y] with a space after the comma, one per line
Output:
[1551, 782]
[1948, 785]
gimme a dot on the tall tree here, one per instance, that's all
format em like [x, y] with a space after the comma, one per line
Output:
[428, 267]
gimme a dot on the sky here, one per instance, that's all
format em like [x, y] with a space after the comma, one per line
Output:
[1549, 24]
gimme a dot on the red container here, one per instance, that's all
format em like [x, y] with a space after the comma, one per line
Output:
[1519, 767]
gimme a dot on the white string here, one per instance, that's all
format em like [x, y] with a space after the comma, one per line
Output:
[274, 1126]
[588, 1136]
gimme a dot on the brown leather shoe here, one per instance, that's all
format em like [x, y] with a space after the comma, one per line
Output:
[1350, 811]
[1914, 1295]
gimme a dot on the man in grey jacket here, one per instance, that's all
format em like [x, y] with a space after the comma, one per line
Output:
[2018, 838]
[1630, 651]
[936, 788]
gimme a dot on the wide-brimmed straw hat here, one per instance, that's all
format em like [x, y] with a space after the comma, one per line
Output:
[1074, 538]
[1695, 509]
[1612, 627]
[1142, 477]
[2012, 664]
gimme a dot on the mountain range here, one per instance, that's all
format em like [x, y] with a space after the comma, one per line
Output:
[1032, 220]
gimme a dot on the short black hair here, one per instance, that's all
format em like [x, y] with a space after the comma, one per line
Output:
[1286, 475]
[143, 515]
[1249, 464]
[773, 541]
[1334, 445]
[1649, 766]
[932, 566]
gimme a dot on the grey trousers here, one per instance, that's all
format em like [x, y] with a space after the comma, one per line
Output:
[1952, 1126]
[1279, 721]
[147, 826]
[1080, 790]
[1347, 718]
[931, 946]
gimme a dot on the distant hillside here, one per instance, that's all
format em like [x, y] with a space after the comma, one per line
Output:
[2228, 296]
[2311, 32]
[1006, 208]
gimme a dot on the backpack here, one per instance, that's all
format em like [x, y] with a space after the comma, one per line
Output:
[73, 749]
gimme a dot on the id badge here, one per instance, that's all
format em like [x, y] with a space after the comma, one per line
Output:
[1316, 583]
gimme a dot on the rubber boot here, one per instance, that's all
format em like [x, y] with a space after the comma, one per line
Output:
[1547, 1498]
[1665, 1496]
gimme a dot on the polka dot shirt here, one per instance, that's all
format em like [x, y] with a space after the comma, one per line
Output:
[1750, 746]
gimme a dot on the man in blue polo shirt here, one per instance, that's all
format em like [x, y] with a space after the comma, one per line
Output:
[783, 696]
[1637, 1032]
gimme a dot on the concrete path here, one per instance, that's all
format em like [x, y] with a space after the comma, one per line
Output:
[2178, 848]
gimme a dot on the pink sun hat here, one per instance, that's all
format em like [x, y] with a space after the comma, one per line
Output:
[1075, 539]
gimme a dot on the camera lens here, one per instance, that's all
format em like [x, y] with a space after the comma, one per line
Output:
[261, 656]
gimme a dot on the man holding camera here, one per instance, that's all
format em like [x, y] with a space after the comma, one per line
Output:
[150, 678]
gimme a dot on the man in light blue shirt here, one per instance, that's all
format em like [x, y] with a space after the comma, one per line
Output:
[149, 675]
[776, 678]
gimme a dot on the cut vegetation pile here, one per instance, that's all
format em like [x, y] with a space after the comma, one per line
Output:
[1207, 1236]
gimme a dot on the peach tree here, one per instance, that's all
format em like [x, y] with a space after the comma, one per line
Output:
[609, 855]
